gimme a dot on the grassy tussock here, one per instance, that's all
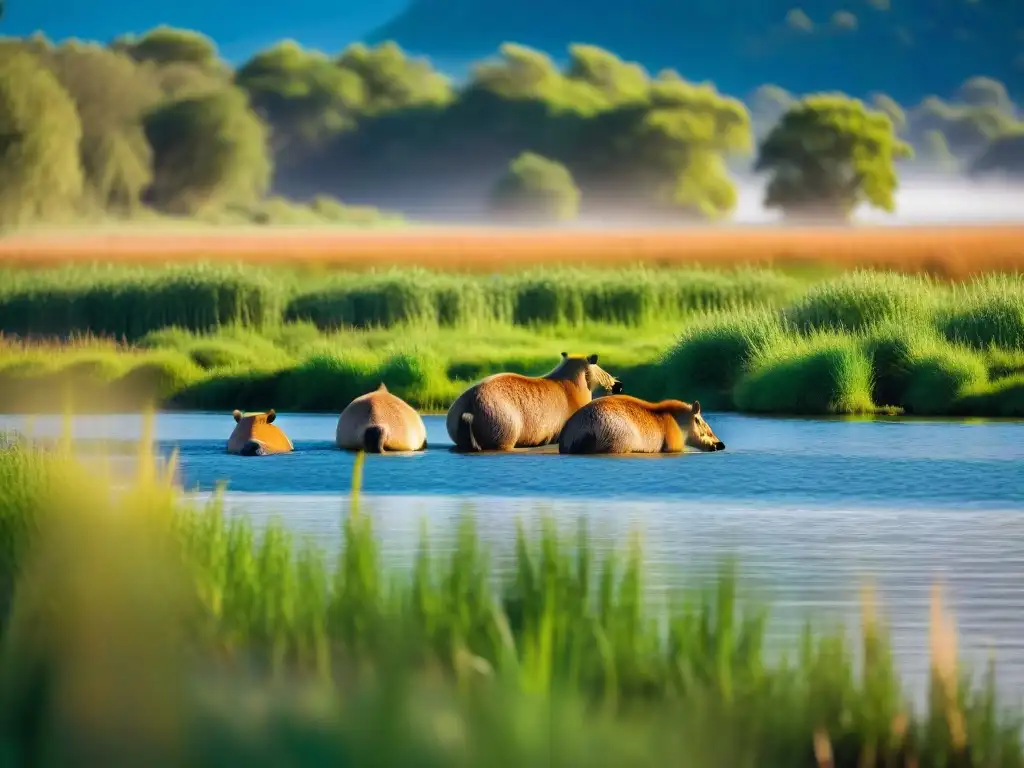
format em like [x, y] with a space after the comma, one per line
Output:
[986, 313]
[254, 647]
[824, 374]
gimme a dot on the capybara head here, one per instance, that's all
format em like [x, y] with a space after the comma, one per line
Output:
[598, 376]
[258, 428]
[698, 433]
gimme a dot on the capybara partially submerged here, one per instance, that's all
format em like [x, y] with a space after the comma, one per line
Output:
[624, 424]
[380, 421]
[509, 410]
[256, 434]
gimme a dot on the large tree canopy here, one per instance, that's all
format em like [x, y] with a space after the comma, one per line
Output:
[111, 93]
[829, 154]
[209, 152]
[40, 174]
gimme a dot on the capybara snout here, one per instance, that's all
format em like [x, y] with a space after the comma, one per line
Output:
[719, 446]
[617, 387]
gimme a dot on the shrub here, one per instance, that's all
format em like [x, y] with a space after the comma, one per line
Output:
[986, 313]
[856, 301]
[536, 190]
[824, 374]
[712, 355]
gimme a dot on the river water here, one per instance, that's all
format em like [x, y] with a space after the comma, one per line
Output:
[813, 510]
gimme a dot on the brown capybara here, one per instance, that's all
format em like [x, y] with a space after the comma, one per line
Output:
[256, 434]
[509, 410]
[624, 424]
[380, 421]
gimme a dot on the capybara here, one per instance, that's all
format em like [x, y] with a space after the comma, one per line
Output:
[624, 424]
[380, 421]
[509, 410]
[256, 434]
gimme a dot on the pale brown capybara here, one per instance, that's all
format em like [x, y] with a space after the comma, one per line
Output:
[509, 410]
[380, 421]
[624, 424]
[255, 434]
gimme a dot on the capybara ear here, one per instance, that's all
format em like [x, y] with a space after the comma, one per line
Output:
[696, 407]
[565, 354]
[271, 415]
[592, 359]
[382, 387]
[237, 414]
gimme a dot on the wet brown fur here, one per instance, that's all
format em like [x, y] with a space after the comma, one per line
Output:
[255, 434]
[509, 410]
[624, 424]
[380, 421]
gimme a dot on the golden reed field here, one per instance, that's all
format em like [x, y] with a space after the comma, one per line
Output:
[953, 252]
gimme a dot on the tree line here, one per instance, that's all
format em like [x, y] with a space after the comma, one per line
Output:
[160, 123]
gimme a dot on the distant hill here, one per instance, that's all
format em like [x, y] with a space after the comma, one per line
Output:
[909, 50]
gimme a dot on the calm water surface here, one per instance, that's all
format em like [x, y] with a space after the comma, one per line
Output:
[813, 510]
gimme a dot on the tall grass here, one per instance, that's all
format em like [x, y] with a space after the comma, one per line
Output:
[140, 628]
[129, 304]
[986, 313]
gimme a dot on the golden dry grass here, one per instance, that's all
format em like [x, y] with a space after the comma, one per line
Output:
[945, 251]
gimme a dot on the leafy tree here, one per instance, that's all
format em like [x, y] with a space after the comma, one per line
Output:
[111, 93]
[391, 80]
[985, 92]
[665, 156]
[40, 174]
[304, 95]
[827, 155]
[1004, 156]
[166, 45]
[966, 129]
[535, 189]
[208, 152]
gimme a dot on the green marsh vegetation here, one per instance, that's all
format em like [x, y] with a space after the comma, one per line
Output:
[256, 647]
[754, 340]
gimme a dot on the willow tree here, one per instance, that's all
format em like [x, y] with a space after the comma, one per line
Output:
[111, 93]
[828, 155]
[40, 173]
[209, 151]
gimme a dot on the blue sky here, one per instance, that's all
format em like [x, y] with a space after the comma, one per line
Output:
[239, 27]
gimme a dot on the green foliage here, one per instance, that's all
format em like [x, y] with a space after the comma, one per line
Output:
[391, 80]
[828, 155]
[858, 300]
[303, 94]
[1003, 156]
[535, 190]
[131, 303]
[208, 152]
[40, 174]
[967, 129]
[985, 92]
[166, 45]
[823, 374]
[988, 312]
[111, 94]
[712, 355]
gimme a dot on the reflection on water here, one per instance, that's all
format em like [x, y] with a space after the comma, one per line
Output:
[811, 510]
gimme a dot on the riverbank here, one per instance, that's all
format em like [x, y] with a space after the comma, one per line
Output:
[753, 341]
[244, 643]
